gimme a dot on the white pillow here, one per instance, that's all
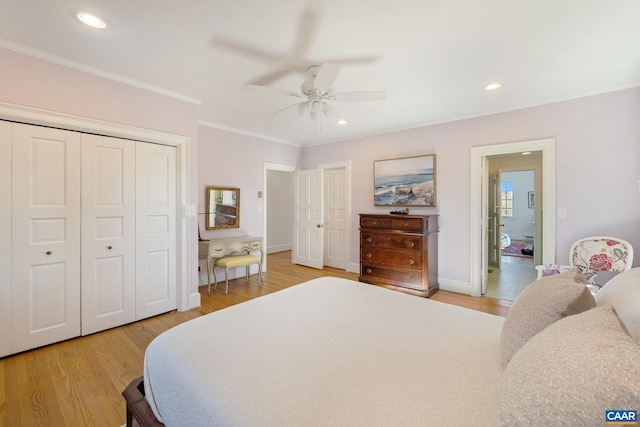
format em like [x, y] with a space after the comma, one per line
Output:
[623, 293]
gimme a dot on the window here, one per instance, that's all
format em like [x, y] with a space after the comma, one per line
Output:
[506, 199]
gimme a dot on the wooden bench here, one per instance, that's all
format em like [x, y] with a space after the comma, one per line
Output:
[235, 261]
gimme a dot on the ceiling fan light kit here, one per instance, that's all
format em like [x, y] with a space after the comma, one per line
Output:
[316, 92]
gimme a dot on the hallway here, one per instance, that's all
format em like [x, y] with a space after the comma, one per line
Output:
[516, 274]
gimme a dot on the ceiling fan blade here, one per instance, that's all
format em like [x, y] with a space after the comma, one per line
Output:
[286, 108]
[247, 50]
[274, 90]
[355, 60]
[358, 96]
[326, 76]
[271, 76]
[307, 26]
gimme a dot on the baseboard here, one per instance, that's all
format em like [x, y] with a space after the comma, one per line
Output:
[454, 286]
[353, 268]
[195, 300]
[278, 248]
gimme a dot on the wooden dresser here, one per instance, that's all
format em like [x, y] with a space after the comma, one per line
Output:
[400, 252]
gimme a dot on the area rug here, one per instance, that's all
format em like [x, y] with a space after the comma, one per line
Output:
[515, 249]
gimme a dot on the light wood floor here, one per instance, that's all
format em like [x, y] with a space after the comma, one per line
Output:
[79, 382]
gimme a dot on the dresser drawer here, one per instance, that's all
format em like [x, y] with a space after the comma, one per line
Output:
[374, 222]
[217, 249]
[388, 257]
[391, 241]
[408, 278]
[408, 224]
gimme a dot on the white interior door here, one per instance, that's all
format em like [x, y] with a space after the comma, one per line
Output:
[5, 238]
[484, 221]
[156, 269]
[308, 233]
[108, 232]
[495, 219]
[335, 223]
[45, 236]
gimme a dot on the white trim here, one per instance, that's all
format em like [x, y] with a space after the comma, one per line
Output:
[95, 71]
[28, 115]
[244, 132]
[547, 146]
[266, 166]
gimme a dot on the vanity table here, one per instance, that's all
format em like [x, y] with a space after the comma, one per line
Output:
[218, 248]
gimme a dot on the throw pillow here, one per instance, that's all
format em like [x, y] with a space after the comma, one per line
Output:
[623, 293]
[571, 372]
[541, 304]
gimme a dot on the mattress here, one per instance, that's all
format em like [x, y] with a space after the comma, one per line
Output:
[328, 352]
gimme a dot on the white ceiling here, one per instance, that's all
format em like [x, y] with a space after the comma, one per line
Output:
[432, 57]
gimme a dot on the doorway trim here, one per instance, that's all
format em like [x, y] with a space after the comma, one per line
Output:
[266, 166]
[477, 228]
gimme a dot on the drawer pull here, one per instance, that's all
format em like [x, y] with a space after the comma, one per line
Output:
[411, 278]
[369, 239]
[411, 261]
[375, 222]
[406, 224]
[369, 255]
[369, 270]
[412, 243]
[109, 247]
[48, 252]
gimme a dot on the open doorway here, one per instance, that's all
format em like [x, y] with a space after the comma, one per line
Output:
[333, 222]
[544, 206]
[512, 224]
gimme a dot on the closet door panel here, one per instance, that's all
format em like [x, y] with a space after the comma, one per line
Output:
[5, 238]
[156, 270]
[45, 236]
[108, 233]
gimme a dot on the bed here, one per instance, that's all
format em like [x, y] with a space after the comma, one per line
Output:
[327, 352]
[334, 352]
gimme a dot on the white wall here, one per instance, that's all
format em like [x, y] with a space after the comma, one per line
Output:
[597, 170]
[232, 160]
[521, 224]
[279, 211]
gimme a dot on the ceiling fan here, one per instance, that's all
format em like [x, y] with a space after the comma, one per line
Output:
[316, 93]
[294, 60]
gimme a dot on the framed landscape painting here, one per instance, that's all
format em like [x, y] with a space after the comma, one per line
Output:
[409, 181]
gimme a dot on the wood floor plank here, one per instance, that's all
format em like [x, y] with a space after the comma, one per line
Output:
[79, 382]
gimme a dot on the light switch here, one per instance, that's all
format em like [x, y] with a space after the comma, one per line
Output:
[562, 213]
[190, 210]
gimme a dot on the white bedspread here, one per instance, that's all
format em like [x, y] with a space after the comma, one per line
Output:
[328, 352]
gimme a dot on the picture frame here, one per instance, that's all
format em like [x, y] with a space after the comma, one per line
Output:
[530, 199]
[406, 181]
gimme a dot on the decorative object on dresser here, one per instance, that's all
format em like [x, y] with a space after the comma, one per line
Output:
[400, 252]
[410, 181]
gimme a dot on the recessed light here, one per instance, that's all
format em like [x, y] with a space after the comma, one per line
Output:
[493, 86]
[91, 20]
[526, 153]
[342, 122]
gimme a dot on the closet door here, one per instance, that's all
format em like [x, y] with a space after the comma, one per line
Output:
[45, 236]
[5, 238]
[108, 232]
[156, 273]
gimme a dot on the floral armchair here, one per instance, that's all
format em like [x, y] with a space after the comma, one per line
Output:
[600, 254]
